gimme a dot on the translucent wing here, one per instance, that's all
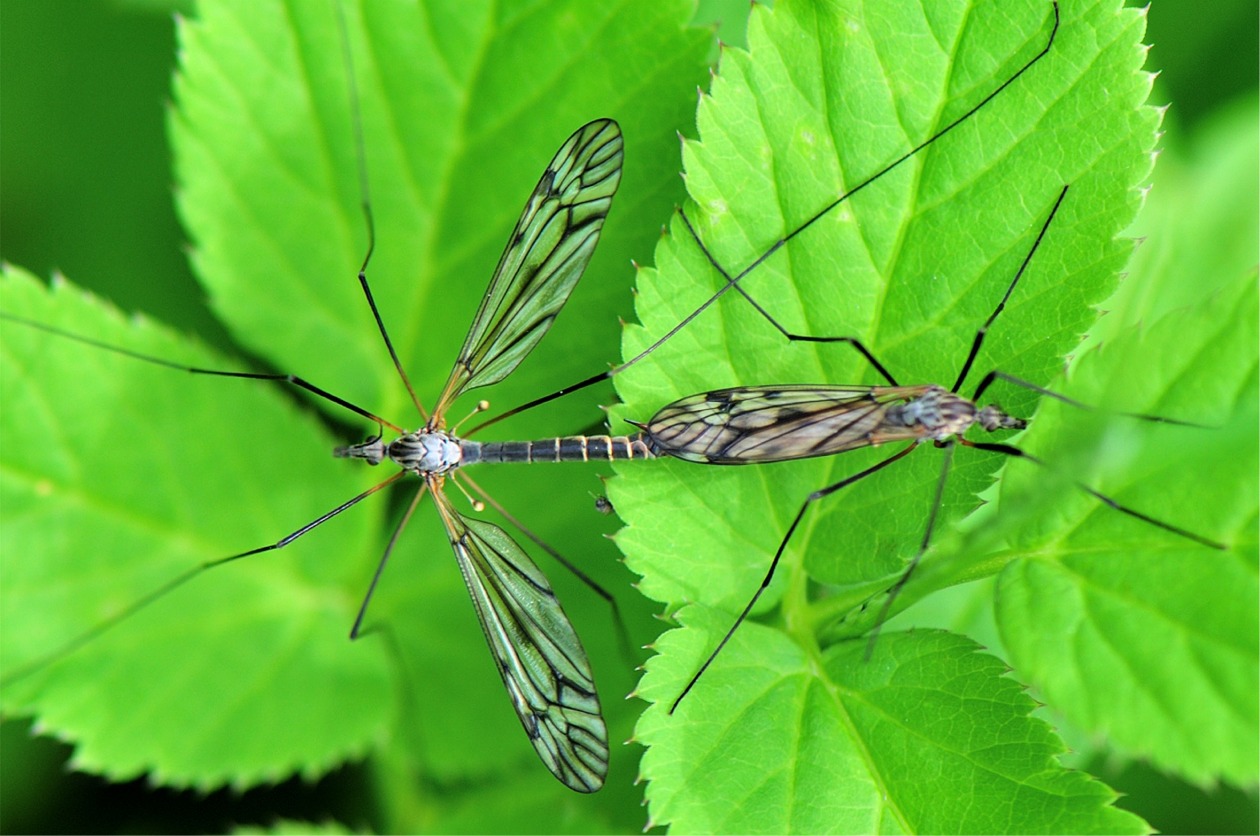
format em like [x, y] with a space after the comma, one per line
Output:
[758, 424]
[543, 665]
[550, 247]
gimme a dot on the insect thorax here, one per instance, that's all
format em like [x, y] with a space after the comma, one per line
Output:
[426, 451]
[939, 412]
[421, 452]
[942, 414]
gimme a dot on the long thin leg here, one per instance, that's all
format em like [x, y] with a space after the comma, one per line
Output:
[1010, 450]
[623, 633]
[933, 515]
[1019, 274]
[365, 201]
[179, 580]
[857, 344]
[730, 283]
[994, 375]
[916, 149]
[581, 384]
[792, 337]
[158, 361]
[765, 582]
[389, 549]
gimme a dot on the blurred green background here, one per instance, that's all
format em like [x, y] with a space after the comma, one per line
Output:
[85, 189]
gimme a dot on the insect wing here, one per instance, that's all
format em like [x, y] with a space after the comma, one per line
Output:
[759, 424]
[539, 656]
[550, 247]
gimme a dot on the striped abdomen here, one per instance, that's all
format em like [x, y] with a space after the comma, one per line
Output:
[577, 448]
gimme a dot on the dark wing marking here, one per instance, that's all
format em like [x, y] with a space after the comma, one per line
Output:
[758, 424]
[539, 656]
[550, 247]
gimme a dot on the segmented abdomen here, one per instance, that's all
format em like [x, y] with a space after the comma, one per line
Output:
[577, 448]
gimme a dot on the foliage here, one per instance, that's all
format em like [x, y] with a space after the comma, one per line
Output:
[1125, 630]
[117, 476]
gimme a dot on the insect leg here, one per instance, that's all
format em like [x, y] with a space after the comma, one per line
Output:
[895, 590]
[389, 549]
[777, 245]
[623, 633]
[978, 340]
[1010, 450]
[158, 361]
[1054, 30]
[995, 375]
[733, 282]
[365, 201]
[765, 582]
[178, 581]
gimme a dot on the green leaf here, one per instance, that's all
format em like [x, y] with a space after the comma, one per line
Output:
[1166, 630]
[912, 266]
[113, 484]
[928, 736]
[1163, 659]
[246, 675]
[454, 146]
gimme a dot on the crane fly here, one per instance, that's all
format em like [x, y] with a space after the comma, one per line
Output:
[539, 656]
[536, 650]
[777, 423]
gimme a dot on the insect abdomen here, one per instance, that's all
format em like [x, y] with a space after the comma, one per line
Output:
[577, 448]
